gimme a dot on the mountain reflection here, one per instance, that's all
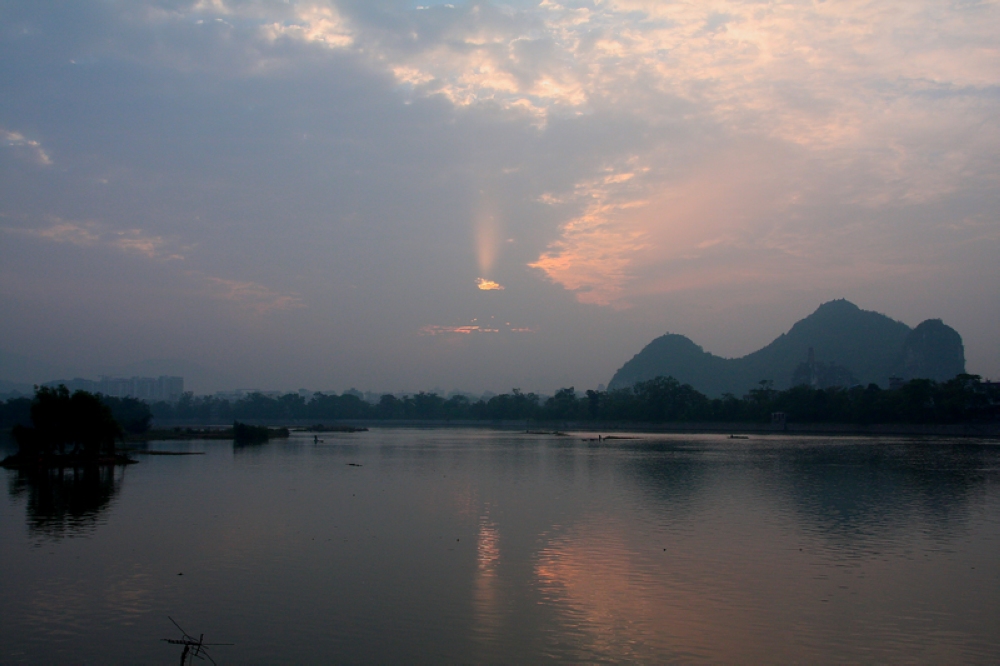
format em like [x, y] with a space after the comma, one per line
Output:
[851, 489]
[856, 491]
[64, 502]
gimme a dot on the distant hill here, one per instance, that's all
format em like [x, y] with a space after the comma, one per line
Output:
[10, 389]
[838, 344]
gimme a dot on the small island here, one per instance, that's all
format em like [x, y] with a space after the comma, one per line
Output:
[243, 434]
[68, 430]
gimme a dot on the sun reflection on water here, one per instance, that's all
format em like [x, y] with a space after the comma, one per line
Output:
[487, 592]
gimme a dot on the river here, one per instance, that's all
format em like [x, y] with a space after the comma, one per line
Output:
[487, 546]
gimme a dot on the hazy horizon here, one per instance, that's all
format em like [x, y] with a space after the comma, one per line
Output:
[396, 196]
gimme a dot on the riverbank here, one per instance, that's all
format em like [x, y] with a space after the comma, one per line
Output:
[64, 461]
[978, 430]
[200, 432]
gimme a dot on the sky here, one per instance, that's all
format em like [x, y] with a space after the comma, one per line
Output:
[405, 196]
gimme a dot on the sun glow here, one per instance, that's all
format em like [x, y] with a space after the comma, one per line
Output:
[486, 241]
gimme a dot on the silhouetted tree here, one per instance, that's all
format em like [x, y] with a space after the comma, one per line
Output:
[132, 414]
[663, 399]
[563, 405]
[79, 423]
[512, 406]
[389, 407]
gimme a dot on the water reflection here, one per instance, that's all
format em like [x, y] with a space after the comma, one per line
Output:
[854, 492]
[591, 578]
[65, 502]
[487, 587]
[671, 473]
[405, 546]
[747, 524]
[849, 489]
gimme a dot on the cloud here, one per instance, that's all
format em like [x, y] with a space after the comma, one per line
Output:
[34, 148]
[474, 328]
[136, 240]
[743, 107]
[251, 295]
[488, 285]
[870, 99]
[256, 297]
[594, 253]
[313, 23]
[371, 157]
[96, 234]
[866, 98]
[460, 330]
[82, 235]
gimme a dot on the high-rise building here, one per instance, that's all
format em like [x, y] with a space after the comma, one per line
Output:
[170, 388]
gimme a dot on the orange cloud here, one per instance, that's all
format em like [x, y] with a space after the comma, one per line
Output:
[461, 330]
[594, 253]
[473, 328]
[314, 23]
[488, 285]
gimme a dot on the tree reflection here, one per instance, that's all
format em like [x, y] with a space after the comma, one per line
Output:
[66, 501]
[672, 473]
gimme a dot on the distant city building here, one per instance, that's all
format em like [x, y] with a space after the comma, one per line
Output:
[149, 389]
[172, 388]
[239, 394]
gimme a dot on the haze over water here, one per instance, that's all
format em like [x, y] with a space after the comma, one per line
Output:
[454, 545]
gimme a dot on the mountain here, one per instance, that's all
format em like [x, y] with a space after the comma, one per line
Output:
[838, 344]
[14, 389]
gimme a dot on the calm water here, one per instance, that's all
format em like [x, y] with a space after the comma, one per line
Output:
[436, 546]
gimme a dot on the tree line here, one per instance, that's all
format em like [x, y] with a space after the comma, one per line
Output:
[963, 399]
